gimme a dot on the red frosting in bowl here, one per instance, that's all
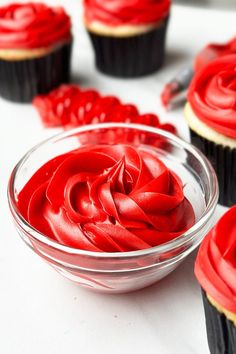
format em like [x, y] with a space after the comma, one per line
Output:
[213, 51]
[32, 25]
[126, 12]
[212, 95]
[215, 266]
[110, 198]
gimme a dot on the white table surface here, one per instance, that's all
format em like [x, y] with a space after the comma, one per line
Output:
[42, 313]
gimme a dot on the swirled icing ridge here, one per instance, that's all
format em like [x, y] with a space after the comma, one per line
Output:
[123, 12]
[213, 51]
[33, 25]
[215, 266]
[110, 198]
[212, 95]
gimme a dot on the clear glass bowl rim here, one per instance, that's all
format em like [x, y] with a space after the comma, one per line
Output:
[168, 246]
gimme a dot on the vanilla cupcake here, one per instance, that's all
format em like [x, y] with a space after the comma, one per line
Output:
[211, 115]
[128, 36]
[215, 269]
[35, 49]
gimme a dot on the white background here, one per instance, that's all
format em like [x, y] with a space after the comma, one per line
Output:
[42, 313]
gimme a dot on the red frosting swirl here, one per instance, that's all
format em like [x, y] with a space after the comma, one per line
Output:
[111, 198]
[126, 12]
[33, 25]
[212, 95]
[213, 51]
[215, 266]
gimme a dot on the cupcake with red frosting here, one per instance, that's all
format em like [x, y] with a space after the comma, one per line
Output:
[215, 270]
[211, 116]
[128, 36]
[35, 49]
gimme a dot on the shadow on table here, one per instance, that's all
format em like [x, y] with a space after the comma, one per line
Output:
[172, 286]
[175, 57]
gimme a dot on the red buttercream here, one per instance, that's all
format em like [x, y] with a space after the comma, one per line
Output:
[33, 25]
[111, 198]
[126, 12]
[213, 51]
[70, 107]
[215, 266]
[212, 95]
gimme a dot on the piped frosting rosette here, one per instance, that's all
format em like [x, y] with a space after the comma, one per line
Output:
[212, 95]
[33, 25]
[132, 12]
[110, 198]
[215, 266]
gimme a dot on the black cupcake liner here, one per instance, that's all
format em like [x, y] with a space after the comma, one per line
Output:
[132, 56]
[221, 332]
[223, 159]
[22, 80]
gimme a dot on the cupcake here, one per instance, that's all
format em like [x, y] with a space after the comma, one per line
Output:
[128, 36]
[215, 270]
[35, 50]
[211, 115]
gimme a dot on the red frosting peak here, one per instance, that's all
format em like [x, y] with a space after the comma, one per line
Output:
[215, 266]
[212, 95]
[126, 12]
[111, 198]
[33, 25]
[213, 51]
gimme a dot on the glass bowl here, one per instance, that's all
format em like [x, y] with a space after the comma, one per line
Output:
[121, 271]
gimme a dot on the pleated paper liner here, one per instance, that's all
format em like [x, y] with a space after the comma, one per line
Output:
[21, 80]
[132, 56]
[223, 159]
[221, 332]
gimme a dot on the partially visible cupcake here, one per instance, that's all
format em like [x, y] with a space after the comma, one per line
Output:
[215, 270]
[211, 116]
[35, 50]
[176, 87]
[128, 36]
